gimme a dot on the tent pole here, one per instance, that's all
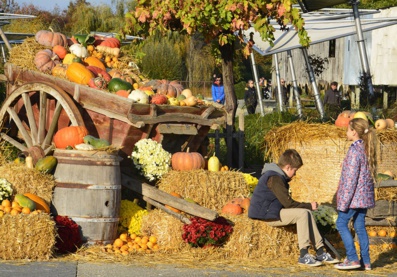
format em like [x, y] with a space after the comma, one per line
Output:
[295, 84]
[279, 95]
[312, 78]
[258, 89]
[361, 47]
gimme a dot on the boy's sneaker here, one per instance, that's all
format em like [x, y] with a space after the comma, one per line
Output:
[308, 260]
[326, 258]
[348, 265]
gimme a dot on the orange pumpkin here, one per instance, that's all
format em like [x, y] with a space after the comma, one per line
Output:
[70, 136]
[45, 60]
[245, 204]
[40, 203]
[78, 73]
[60, 51]
[123, 93]
[183, 161]
[93, 61]
[232, 209]
[172, 208]
[111, 42]
[50, 39]
[344, 118]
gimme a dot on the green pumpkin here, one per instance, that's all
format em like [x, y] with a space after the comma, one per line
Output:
[117, 84]
[46, 164]
[24, 201]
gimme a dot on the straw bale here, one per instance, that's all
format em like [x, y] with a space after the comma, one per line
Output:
[166, 228]
[27, 236]
[25, 180]
[322, 148]
[255, 239]
[24, 53]
[209, 189]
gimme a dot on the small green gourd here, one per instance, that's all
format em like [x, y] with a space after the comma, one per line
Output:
[96, 142]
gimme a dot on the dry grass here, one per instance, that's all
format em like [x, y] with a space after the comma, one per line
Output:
[23, 54]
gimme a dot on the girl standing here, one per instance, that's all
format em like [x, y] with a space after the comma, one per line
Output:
[356, 192]
[250, 97]
[218, 91]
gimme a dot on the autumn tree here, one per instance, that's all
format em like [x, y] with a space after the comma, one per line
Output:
[218, 21]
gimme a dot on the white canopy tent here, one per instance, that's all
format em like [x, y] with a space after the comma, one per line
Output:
[321, 26]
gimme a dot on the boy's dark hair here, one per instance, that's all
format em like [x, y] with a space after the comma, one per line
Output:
[334, 83]
[291, 157]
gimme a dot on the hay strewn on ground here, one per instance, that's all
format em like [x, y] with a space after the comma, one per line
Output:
[209, 189]
[27, 237]
[25, 180]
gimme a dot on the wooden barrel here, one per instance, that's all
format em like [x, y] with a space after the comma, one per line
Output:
[88, 190]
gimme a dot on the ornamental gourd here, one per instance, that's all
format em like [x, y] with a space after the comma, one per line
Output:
[45, 60]
[110, 42]
[184, 161]
[60, 51]
[50, 39]
[40, 202]
[70, 136]
[159, 99]
[213, 163]
[344, 118]
[78, 73]
[93, 61]
[46, 164]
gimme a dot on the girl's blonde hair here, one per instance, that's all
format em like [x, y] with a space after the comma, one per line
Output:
[368, 135]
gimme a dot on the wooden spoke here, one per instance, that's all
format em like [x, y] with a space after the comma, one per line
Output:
[42, 116]
[20, 126]
[29, 112]
[14, 142]
[51, 129]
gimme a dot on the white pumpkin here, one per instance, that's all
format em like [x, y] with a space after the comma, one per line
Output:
[79, 50]
[139, 96]
[186, 92]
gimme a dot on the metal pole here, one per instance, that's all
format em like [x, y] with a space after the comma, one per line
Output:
[312, 78]
[295, 85]
[258, 89]
[279, 95]
[361, 48]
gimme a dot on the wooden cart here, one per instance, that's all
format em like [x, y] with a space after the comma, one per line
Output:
[38, 104]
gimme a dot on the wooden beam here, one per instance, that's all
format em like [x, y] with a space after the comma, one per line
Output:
[167, 199]
[181, 217]
[381, 222]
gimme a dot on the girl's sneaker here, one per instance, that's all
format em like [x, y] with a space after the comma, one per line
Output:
[348, 265]
[365, 266]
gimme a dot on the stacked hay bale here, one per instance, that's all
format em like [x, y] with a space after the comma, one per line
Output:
[30, 236]
[250, 238]
[323, 148]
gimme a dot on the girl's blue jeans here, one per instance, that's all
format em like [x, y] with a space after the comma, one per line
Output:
[342, 224]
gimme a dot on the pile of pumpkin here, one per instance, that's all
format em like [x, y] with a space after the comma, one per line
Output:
[344, 118]
[27, 203]
[94, 61]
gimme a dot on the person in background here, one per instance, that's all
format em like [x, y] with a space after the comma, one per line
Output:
[355, 194]
[271, 202]
[332, 100]
[264, 88]
[218, 92]
[284, 92]
[250, 97]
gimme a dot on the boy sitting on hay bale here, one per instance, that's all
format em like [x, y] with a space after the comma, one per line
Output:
[272, 203]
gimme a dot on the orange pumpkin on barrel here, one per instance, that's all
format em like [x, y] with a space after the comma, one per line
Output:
[70, 136]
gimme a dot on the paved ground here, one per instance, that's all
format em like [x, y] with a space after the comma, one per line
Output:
[83, 269]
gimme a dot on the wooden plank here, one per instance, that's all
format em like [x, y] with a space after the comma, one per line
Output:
[179, 129]
[381, 240]
[383, 208]
[167, 199]
[387, 183]
[158, 205]
[381, 221]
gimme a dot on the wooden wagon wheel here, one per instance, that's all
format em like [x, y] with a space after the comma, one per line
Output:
[33, 112]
